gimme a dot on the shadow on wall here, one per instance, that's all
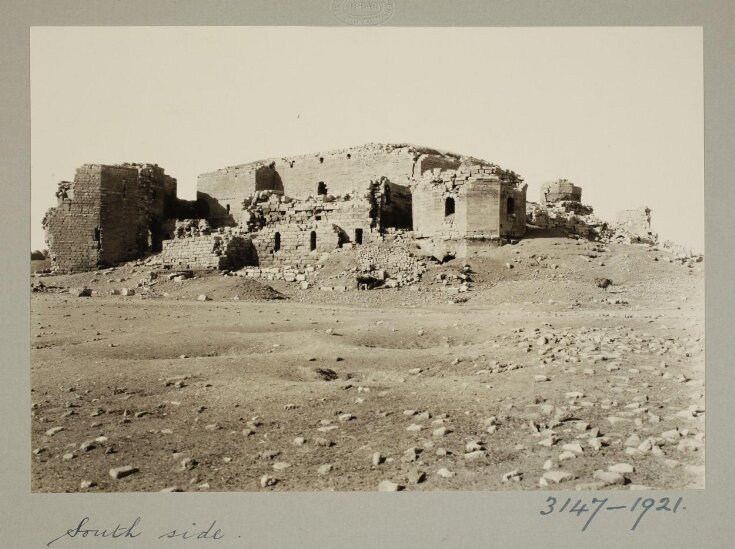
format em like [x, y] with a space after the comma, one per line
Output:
[156, 236]
[267, 178]
[210, 208]
[396, 209]
[254, 256]
[240, 253]
[187, 209]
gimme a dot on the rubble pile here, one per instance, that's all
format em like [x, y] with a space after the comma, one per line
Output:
[395, 265]
[569, 216]
[454, 282]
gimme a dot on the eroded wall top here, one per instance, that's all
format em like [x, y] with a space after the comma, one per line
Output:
[335, 172]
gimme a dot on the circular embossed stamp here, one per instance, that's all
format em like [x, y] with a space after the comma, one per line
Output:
[363, 12]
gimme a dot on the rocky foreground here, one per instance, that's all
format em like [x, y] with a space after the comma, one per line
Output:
[536, 377]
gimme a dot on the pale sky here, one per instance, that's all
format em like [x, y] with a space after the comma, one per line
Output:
[618, 111]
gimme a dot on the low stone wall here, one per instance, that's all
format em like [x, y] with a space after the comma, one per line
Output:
[213, 251]
[301, 275]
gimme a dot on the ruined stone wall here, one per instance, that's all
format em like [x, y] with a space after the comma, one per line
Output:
[341, 172]
[71, 227]
[355, 211]
[208, 251]
[224, 191]
[284, 226]
[288, 243]
[637, 224]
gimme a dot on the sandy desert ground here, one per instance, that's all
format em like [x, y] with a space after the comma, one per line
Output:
[539, 378]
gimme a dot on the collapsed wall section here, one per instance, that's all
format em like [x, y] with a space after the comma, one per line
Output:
[568, 217]
[198, 249]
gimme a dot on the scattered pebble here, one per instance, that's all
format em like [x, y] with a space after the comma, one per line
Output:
[122, 472]
[388, 486]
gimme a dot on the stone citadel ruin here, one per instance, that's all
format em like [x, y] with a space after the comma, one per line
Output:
[287, 210]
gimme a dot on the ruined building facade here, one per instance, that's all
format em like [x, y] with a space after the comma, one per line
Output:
[291, 209]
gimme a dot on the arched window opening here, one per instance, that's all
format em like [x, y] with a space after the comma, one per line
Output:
[510, 206]
[358, 236]
[449, 207]
[276, 242]
[312, 241]
[386, 194]
[228, 208]
[321, 160]
[321, 188]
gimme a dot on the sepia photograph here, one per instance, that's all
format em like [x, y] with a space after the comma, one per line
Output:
[308, 259]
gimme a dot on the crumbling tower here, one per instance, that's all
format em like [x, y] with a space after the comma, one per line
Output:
[560, 190]
[109, 214]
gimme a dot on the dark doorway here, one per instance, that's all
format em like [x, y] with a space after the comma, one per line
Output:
[276, 242]
[358, 236]
[312, 241]
[155, 238]
[321, 188]
[449, 207]
[510, 206]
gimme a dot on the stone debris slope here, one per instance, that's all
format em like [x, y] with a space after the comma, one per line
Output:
[532, 377]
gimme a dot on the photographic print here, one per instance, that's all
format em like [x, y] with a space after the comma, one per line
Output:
[367, 259]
